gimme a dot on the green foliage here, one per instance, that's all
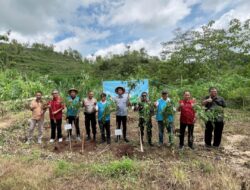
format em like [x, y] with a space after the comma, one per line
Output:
[63, 167]
[168, 110]
[146, 110]
[194, 61]
[13, 85]
[118, 168]
[109, 108]
[210, 115]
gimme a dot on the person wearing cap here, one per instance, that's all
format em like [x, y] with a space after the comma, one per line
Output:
[161, 104]
[214, 102]
[187, 118]
[73, 108]
[89, 105]
[56, 106]
[122, 103]
[146, 111]
[104, 118]
[37, 119]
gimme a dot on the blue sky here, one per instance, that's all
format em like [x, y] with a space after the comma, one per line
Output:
[103, 27]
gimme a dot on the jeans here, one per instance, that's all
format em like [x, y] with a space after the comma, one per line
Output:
[169, 127]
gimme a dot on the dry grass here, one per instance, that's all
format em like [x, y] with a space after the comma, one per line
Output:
[38, 167]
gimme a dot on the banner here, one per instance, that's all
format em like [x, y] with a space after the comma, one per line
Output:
[135, 87]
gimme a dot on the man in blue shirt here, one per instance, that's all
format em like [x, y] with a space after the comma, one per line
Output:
[103, 108]
[164, 116]
[73, 107]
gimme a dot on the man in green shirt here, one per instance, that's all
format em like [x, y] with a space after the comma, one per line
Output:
[146, 110]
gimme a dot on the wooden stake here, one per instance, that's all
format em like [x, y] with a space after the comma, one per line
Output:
[141, 145]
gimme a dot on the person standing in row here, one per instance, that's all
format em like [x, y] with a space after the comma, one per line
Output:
[187, 119]
[89, 105]
[165, 119]
[215, 104]
[37, 119]
[104, 118]
[55, 109]
[73, 109]
[146, 111]
[122, 103]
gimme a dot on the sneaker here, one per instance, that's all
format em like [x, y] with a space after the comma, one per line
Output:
[78, 138]
[51, 140]
[67, 139]
[60, 140]
[88, 138]
[39, 141]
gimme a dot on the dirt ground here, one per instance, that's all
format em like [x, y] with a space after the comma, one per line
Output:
[234, 151]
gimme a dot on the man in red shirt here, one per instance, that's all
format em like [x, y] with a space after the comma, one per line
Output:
[55, 111]
[187, 118]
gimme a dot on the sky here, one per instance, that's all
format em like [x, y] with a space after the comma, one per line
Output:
[104, 27]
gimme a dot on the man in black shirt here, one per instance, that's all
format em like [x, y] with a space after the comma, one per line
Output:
[216, 104]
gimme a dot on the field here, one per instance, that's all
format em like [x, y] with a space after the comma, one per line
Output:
[192, 60]
[122, 165]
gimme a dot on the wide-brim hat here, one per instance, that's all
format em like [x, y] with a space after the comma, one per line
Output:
[72, 89]
[119, 87]
[164, 91]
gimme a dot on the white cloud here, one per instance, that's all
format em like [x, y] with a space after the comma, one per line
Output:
[215, 5]
[42, 21]
[148, 12]
[150, 21]
[80, 39]
[152, 46]
[241, 12]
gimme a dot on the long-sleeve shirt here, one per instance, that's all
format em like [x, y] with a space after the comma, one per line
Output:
[56, 104]
[216, 101]
[122, 104]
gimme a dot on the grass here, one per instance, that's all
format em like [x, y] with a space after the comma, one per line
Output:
[36, 167]
[117, 168]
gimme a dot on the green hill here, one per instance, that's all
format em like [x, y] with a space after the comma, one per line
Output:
[41, 59]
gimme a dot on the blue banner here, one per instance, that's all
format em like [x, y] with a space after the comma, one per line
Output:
[134, 88]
